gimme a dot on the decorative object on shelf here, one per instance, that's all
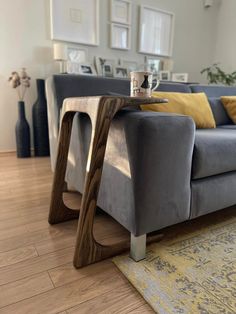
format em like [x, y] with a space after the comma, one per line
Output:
[60, 55]
[121, 72]
[121, 11]
[130, 65]
[216, 75]
[153, 64]
[180, 77]
[168, 64]
[40, 121]
[120, 36]
[77, 54]
[104, 66]
[164, 75]
[156, 31]
[21, 82]
[87, 69]
[75, 21]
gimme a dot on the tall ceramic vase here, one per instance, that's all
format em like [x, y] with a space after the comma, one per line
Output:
[40, 121]
[22, 133]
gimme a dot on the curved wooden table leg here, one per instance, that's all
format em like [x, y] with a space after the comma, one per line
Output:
[59, 212]
[101, 111]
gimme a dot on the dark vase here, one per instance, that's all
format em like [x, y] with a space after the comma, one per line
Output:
[40, 122]
[22, 133]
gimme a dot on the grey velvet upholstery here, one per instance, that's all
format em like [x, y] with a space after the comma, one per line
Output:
[214, 152]
[161, 187]
[215, 91]
[213, 193]
[158, 169]
[228, 126]
[220, 115]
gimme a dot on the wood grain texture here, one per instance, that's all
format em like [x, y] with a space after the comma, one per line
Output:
[25, 279]
[101, 111]
[17, 255]
[24, 288]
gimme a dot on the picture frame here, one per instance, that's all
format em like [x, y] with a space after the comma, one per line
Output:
[75, 21]
[121, 11]
[164, 75]
[77, 54]
[180, 77]
[130, 65]
[156, 23]
[104, 66]
[153, 64]
[120, 36]
[87, 69]
[121, 72]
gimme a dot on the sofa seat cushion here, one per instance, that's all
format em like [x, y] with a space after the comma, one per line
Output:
[214, 152]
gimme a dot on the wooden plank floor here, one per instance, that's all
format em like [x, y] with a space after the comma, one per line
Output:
[36, 272]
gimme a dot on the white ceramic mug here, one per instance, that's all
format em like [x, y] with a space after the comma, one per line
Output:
[141, 84]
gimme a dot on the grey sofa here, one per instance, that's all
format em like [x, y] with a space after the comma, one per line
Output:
[159, 170]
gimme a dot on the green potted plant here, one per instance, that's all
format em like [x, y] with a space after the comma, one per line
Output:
[215, 75]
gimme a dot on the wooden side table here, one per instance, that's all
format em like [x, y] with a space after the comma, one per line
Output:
[101, 111]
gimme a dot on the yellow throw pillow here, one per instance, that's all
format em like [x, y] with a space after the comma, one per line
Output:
[229, 103]
[195, 105]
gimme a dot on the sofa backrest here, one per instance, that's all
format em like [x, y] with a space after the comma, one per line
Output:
[214, 92]
[70, 85]
[173, 87]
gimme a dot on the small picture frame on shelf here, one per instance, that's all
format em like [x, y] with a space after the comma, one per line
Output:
[77, 54]
[180, 77]
[105, 66]
[120, 36]
[130, 65]
[120, 72]
[153, 64]
[164, 75]
[86, 69]
[121, 11]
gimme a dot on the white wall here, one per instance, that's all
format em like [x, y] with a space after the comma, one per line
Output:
[25, 42]
[225, 47]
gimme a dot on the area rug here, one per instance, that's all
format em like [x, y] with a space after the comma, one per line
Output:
[193, 273]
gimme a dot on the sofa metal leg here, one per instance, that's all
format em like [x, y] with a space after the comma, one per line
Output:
[138, 247]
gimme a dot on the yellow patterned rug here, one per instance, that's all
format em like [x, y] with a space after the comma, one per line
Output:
[193, 273]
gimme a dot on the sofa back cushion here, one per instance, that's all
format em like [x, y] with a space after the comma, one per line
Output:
[173, 87]
[70, 85]
[214, 92]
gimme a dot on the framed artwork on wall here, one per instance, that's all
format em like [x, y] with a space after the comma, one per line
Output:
[121, 11]
[75, 21]
[156, 31]
[120, 36]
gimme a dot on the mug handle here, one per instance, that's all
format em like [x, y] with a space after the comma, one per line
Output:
[157, 84]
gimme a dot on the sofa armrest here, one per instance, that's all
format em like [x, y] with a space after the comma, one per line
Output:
[160, 147]
[53, 120]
